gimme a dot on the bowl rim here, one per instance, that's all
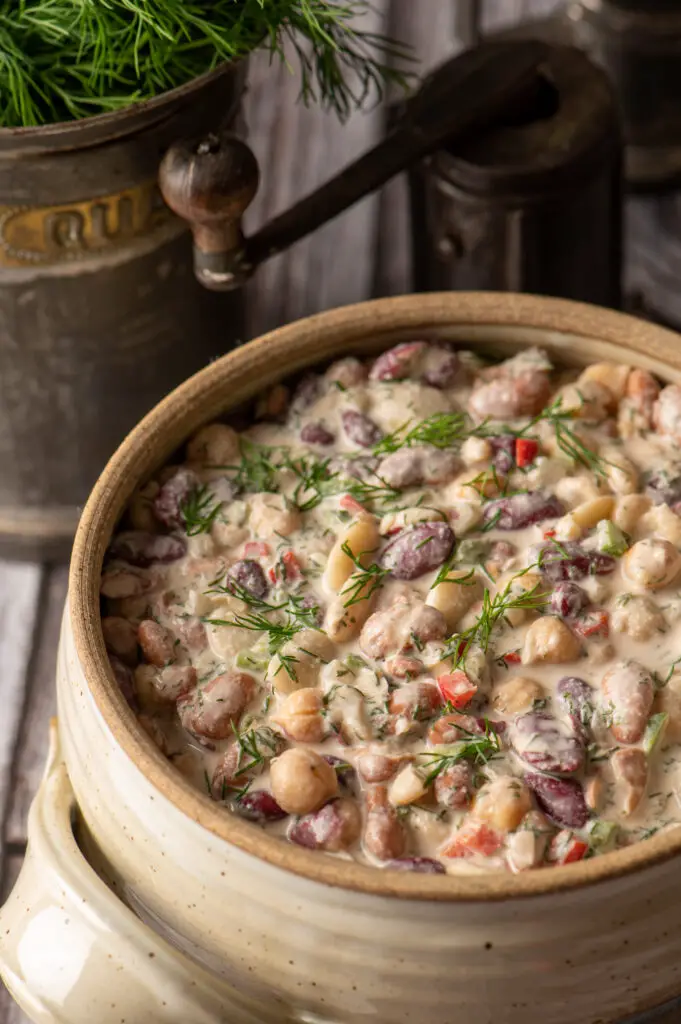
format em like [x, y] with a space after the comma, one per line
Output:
[351, 324]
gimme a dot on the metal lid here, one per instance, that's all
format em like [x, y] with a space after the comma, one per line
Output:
[553, 139]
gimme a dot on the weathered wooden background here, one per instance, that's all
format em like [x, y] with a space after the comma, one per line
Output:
[362, 254]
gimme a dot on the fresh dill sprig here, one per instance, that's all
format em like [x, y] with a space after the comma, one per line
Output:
[567, 440]
[364, 581]
[255, 747]
[200, 510]
[479, 750]
[494, 610]
[441, 430]
[258, 470]
[68, 59]
[317, 481]
[443, 576]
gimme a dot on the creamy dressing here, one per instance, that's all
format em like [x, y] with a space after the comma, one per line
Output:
[364, 710]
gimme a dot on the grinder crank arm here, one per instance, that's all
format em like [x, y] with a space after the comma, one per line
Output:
[210, 182]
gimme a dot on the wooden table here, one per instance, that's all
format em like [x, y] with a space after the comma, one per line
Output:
[362, 254]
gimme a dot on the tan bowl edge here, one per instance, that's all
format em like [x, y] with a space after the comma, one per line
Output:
[180, 413]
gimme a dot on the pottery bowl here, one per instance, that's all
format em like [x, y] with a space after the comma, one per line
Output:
[278, 932]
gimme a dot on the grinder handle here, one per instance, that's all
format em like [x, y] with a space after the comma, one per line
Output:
[211, 181]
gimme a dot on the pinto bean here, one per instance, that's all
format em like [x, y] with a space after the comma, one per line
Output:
[451, 728]
[425, 624]
[542, 742]
[561, 800]
[159, 645]
[212, 710]
[156, 686]
[302, 780]
[335, 827]
[418, 550]
[214, 445]
[404, 667]
[359, 429]
[628, 692]
[454, 787]
[384, 834]
[120, 638]
[667, 412]
[173, 495]
[348, 372]
[118, 584]
[144, 549]
[125, 679]
[377, 767]
[509, 397]
[415, 701]
[630, 768]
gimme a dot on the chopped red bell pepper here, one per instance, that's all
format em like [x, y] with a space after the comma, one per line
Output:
[456, 688]
[256, 549]
[272, 573]
[526, 451]
[512, 657]
[473, 837]
[592, 624]
[549, 534]
[350, 504]
[291, 566]
[566, 848]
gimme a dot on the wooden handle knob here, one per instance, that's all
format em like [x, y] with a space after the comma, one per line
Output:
[210, 183]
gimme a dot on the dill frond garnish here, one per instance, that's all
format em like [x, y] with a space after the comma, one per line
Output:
[199, 511]
[479, 750]
[567, 440]
[365, 580]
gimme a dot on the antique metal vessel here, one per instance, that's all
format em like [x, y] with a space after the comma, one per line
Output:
[100, 314]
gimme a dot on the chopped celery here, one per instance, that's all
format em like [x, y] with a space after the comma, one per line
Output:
[602, 833]
[610, 539]
[355, 663]
[655, 730]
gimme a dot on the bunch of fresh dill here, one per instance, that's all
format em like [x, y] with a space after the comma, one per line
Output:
[63, 60]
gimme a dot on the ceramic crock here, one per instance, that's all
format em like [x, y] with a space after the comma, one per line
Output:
[205, 918]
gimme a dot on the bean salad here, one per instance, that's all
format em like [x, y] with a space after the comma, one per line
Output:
[422, 611]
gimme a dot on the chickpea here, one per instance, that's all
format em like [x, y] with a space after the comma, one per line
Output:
[159, 645]
[344, 623]
[662, 523]
[517, 694]
[301, 716]
[548, 639]
[272, 516]
[630, 769]
[629, 508]
[587, 400]
[651, 564]
[302, 781]
[575, 490]
[384, 835]
[141, 508]
[502, 803]
[362, 538]
[120, 637]
[407, 788]
[300, 661]
[214, 445]
[612, 376]
[476, 450]
[380, 634]
[637, 616]
[454, 599]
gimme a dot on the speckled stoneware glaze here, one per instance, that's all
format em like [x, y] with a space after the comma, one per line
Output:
[246, 928]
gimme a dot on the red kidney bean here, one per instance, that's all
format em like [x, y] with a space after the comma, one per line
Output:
[571, 562]
[259, 806]
[521, 510]
[454, 786]
[335, 827]
[418, 550]
[360, 429]
[158, 644]
[411, 467]
[173, 495]
[504, 453]
[125, 680]
[568, 600]
[143, 549]
[249, 575]
[425, 624]
[441, 366]
[398, 362]
[307, 390]
[663, 488]
[561, 800]
[316, 433]
[577, 696]
[211, 711]
[422, 865]
[345, 773]
[540, 741]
